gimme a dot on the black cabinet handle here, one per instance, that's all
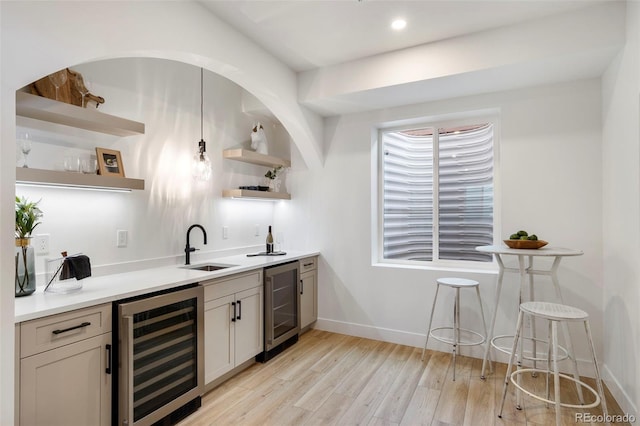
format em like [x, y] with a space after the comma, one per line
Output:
[84, 324]
[108, 369]
[233, 318]
[308, 264]
[239, 302]
[301, 286]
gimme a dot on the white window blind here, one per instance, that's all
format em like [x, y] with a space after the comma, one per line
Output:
[438, 209]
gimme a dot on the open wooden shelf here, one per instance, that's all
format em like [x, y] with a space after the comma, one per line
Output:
[49, 110]
[71, 179]
[246, 193]
[253, 157]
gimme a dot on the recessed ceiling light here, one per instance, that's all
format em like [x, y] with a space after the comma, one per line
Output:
[398, 24]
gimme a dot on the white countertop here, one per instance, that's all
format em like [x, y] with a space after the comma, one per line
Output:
[108, 288]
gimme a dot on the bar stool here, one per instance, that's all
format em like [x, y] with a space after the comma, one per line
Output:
[457, 284]
[554, 313]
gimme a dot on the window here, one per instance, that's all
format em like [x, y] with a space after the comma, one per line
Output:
[437, 193]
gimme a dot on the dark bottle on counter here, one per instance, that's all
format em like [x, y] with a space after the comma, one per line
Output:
[269, 241]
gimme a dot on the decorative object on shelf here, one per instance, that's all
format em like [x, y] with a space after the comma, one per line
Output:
[201, 166]
[274, 179]
[259, 139]
[65, 86]
[27, 218]
[72, 163]
[89, 165]
[109, 162]
[24, 143]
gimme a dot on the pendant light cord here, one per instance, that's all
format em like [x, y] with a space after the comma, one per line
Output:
[201, 103]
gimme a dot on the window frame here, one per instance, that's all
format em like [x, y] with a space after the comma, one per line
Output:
[451, 120]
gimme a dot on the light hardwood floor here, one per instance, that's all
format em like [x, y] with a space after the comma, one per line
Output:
[329, 378]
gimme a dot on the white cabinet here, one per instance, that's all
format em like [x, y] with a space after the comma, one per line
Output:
[308, 291]
[65, 368]
[233, 322]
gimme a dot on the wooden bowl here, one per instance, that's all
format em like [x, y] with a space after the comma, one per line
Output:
[525, 244]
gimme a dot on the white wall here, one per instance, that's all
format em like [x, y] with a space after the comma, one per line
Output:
[165, 95]
[621, 213]
[550, 174]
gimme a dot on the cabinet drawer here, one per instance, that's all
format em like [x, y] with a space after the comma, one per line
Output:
[226, 286]
[308, 264]
[54, 331]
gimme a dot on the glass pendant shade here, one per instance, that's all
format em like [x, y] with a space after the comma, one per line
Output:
[201, 167]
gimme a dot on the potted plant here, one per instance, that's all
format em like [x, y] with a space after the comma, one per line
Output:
[274, 179]
[27, 218]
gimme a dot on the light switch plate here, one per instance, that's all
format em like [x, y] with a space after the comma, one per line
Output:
[122, 237]
[225, 232]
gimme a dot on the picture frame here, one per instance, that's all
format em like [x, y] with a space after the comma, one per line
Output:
[110, 162]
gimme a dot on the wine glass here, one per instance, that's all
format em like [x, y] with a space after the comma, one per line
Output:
[58, 79]
[82, 88]
[25, 147]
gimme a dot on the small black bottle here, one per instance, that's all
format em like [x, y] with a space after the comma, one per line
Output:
[269, 241]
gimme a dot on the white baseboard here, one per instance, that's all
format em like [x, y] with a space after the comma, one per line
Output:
[585, 367]
[624, 400]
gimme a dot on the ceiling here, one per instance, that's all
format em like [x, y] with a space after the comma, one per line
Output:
[307, 34]
[310, 35]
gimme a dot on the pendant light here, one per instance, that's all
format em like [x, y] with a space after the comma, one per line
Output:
[201, 166]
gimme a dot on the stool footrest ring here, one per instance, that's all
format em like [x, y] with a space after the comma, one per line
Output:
[514, 380]
[450, 341]
[564, 353]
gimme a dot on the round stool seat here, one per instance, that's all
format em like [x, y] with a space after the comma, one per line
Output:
[554, 311]
[457, 282]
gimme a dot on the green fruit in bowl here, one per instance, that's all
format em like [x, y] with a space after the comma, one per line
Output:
[514, 237]
[533, 237]
[524, 238]
[523, 233]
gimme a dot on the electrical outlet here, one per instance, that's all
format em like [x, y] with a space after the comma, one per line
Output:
[257, 230]
[41, 243]
[122, 237]
[225, 232]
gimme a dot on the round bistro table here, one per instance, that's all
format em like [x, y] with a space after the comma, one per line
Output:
[525, 269]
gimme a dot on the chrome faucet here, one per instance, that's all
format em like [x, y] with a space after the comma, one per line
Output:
[188, 249]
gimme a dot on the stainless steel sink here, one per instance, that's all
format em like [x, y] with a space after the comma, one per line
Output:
[208, 267]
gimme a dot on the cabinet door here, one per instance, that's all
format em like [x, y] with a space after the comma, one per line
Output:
[68, 385]
[308, 296]
[218, 338]
[249, 324]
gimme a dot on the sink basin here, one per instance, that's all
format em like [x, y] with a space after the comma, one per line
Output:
[208, 267]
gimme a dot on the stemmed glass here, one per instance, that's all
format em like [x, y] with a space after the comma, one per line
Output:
[25, 147]
[58, 79]
[82, 87]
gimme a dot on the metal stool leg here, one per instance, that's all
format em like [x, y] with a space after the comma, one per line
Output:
[456, 329]
[511, 356]
[433, 308]
[556, 377]
[484, 325]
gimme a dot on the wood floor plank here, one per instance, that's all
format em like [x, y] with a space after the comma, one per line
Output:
[332, 379]
[394, 404]
[422, 407]
[379, 384]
